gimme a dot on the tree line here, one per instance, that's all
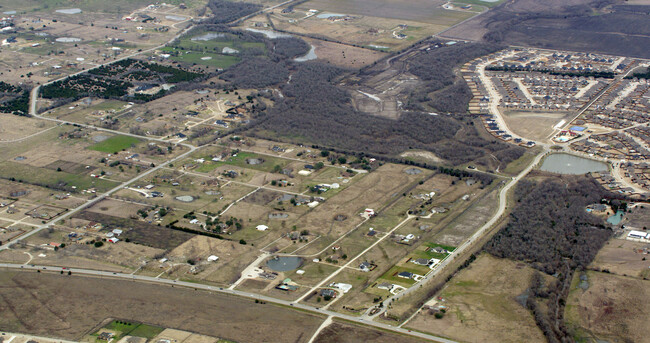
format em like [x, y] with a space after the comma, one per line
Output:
[550, 229]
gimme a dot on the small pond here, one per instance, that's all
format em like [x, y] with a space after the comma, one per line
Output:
[330, 15]
[571, 164]
[284, 263]
[616, 219]
[69, 11]
[68, 39]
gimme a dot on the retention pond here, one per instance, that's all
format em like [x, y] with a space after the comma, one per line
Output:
[571, 164]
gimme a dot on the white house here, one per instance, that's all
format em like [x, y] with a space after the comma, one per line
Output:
[262, 228]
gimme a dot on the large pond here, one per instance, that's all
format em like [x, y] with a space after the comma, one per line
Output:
[284, 263]
[571, 164]
[208, 36]
[269, 33]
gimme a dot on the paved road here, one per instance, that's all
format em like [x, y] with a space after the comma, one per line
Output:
[151, 279]
[341, 268]
[503, 201]
[96, 200]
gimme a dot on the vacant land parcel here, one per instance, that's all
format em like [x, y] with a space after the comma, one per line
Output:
[480, 304]
[28, 300]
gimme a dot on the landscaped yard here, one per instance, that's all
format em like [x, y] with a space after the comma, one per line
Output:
[115, 144]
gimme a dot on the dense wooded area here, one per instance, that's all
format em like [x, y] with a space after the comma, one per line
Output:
[550, 225]
[442, 89]
[13, 99]
[551, 229]
[224, 11]
[256, 73]
[114, 80]
[315, 110]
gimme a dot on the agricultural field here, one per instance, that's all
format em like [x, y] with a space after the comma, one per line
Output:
[221, 316]
[378, 27]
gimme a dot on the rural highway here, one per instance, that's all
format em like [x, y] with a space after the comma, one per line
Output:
[99, 198]
[151, 279]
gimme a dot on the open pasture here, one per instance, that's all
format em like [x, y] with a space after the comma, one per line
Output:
[480, 304]
[31, 298]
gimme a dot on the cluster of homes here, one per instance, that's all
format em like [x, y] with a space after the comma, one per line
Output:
[623, 105]
[562, 61]
[493, 128]
[627, 151]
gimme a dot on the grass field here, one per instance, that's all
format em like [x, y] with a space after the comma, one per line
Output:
[216, 60]
[51, 178]
[132, 329]
[481, 305]
[32, 303]
[268, 165]
[115, 144]
[613, 308]
[488, 4]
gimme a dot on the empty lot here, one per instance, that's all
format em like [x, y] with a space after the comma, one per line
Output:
[70, 306]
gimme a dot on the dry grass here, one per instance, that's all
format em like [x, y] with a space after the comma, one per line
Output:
[69, 306]
[621, 257]
[482, 307]
[537, 126]
[613, 308]
[344, 55]
[341, 332]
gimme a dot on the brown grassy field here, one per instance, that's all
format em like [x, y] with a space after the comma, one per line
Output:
[15, 127]
[613, 308]
[534, 125]
[140, 232]
[417, 10]
[481, 305]
[344, 55]
[233, 258]
[69, 306]
[342, 332]
[621, 257]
